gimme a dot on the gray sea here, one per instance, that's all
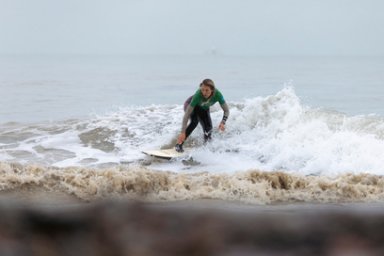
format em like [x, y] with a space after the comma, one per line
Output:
[84, 120]
[38, 88]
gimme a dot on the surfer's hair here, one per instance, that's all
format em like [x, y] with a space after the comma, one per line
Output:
[208, 82]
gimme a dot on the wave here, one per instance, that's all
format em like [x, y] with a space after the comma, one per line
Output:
[141, 183]
[273, 133]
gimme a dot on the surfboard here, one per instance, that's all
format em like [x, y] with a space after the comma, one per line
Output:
[166, 153]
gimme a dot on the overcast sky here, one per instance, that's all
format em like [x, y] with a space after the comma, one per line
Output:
[238, 27]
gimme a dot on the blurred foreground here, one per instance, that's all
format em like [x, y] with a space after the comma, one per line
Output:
[205, 227]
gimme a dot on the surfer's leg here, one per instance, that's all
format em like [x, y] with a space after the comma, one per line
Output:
[206, 123]
[192, 124]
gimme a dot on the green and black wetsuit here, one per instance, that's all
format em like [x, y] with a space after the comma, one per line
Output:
[197, 109]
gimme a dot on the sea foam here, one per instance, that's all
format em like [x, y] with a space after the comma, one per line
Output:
[140, 183]
[273, 133]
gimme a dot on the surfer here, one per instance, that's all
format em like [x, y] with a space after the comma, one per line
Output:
[196, 109]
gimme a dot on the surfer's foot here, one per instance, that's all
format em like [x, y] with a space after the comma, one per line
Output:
[179, 148]
[206, 140]
[207, 137]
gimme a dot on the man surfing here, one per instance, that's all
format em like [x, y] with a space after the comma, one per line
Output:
[196, 109]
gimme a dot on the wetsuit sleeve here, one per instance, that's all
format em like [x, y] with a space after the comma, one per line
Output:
[187, 103]
[220, 98]
[225, 108]
[187, 114]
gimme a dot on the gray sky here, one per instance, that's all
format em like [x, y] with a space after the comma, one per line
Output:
[238, 27]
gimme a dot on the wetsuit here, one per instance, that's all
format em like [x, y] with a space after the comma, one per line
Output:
[196, 108]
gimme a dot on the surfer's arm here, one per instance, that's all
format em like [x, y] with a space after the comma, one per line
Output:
[225, 108]
[187, 114]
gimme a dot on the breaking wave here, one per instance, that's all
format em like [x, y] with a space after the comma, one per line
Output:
[141, 183]
[273, 133]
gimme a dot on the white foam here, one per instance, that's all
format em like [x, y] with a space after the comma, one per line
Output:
[268, 133]
[279, 133]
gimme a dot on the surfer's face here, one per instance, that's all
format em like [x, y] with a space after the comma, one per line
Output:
[206, 91]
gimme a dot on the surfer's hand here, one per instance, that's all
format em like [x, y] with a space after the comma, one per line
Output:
[181, 138]
[222, 126]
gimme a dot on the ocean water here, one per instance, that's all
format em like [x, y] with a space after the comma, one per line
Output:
[300, 128]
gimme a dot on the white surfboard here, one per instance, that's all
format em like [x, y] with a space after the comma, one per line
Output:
[166, 153]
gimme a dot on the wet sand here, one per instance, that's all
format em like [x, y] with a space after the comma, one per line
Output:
[43, 223]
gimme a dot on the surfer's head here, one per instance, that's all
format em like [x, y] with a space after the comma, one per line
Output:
[207, 87]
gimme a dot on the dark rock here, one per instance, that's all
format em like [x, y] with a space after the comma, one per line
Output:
[189, 228]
